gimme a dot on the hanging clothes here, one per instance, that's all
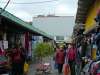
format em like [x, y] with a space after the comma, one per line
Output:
[89, 48]
[98, 17]
[27, 40]
[84, 48]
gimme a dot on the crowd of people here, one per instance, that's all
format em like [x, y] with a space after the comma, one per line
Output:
[65, 55]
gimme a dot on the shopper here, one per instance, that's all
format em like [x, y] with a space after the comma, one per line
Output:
[54, 58]
[71, 54]
[17, 61]
[60, 59]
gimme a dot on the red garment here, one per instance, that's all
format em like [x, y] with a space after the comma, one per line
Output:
[2, 52]
[26, 40]
[96, 69]
[60, 57]
[16, 57]
[71, 54]
[66, 69]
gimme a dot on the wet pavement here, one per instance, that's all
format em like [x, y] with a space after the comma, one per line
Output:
[33, 68]
[32, 71]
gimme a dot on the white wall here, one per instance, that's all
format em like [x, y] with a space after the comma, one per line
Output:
[55, 25]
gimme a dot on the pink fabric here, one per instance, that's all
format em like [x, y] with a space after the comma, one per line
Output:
[2, 52]
[98, 11]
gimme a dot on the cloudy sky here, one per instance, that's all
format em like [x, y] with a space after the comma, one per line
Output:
[35, 7]
[27, 11]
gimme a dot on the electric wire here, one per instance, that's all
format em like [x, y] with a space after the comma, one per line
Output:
[2, 10]
[49, 1]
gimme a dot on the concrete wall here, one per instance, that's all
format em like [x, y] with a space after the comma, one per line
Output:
[62, 25]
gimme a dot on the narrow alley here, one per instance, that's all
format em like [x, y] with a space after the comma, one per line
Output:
[49, 37]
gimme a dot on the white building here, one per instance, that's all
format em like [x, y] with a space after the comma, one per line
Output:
[55, 25]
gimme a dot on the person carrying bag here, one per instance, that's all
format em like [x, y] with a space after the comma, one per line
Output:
[71, 55]
[66, 67]
[60, 57]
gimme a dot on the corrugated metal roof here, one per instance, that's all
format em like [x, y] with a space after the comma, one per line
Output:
[23, 24]
[83, 9]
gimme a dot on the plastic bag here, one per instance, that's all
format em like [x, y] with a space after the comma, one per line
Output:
[26, 67]
[66, 69]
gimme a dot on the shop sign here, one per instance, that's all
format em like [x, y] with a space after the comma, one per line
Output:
[5, 43]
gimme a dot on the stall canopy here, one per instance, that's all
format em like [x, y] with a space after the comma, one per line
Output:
[83, 9]
[24, 24]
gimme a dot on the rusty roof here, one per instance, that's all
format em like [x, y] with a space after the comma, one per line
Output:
[83, 9]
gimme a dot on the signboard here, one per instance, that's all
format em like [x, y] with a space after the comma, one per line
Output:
[59, 37]
[1, 45]
[5, 43]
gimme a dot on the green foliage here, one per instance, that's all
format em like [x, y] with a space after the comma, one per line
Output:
[43, 50]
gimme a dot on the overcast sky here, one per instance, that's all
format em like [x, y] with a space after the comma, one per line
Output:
[27, 11]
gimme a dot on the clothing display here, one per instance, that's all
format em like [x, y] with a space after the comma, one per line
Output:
[94, 50]
[88, 48]
[98, 17]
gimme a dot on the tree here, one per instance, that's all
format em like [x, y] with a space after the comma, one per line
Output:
[43, 50]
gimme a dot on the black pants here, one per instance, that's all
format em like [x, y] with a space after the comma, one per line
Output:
[60, 66]
[72, 67]
[83, 64]
[17, 69]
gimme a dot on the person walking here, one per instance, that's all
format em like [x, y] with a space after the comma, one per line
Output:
[60, 57]
[71, 54]
[17, 61]
[54, 57]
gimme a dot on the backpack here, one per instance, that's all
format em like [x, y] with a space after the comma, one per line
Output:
[71, 54]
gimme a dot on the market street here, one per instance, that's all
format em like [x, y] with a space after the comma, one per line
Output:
[49, 37]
